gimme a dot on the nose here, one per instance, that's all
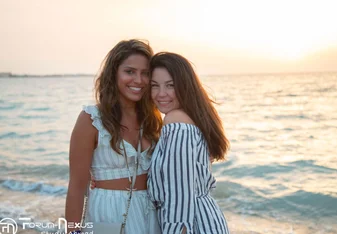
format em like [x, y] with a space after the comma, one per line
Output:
[138, 78]
[162, 92]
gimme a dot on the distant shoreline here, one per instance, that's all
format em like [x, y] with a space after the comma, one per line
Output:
[11, 75]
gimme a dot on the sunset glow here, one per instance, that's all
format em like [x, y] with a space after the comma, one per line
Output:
[75, 36]
[281, 29]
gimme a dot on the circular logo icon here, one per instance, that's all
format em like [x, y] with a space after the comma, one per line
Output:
[8, 226]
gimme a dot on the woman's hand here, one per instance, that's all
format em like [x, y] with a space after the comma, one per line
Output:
[92, 182]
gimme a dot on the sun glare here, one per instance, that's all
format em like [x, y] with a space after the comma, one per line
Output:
[285, 30]
[248, 35]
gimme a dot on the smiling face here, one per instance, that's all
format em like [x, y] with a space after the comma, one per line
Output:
[132, 78]
[162, 91]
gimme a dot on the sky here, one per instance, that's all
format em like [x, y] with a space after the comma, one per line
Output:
[217, 36]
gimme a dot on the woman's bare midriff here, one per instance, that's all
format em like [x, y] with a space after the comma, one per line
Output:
[123, 183]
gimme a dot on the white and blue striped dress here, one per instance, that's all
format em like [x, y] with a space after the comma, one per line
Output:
[179, 182]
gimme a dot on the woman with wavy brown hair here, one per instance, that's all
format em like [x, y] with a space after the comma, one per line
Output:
[113, 140]
[180, 179]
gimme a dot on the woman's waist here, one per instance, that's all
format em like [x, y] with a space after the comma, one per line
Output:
[123, 183]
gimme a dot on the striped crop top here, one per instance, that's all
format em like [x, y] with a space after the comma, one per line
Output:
[107, 164]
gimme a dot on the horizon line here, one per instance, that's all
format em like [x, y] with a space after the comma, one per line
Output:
[10, 74]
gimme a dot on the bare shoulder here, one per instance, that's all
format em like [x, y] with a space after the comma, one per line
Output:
[84, 118]
[177, 116]
[84, 133]
[84, 123]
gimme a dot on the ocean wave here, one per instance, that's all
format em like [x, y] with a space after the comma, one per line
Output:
[245, 200]
[257, 171]
[7, 135]
[311, 164]
[34, 187]
[36, 117]
[14, 135]
[311, 204]
[280, 117]
[47, 171]
[10, 106]
[273, 170]
[47, 132]
[41, 109]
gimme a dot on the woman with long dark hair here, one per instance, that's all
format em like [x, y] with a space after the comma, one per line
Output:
[180, 180]
[114, 140]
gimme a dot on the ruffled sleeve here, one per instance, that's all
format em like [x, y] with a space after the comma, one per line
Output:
[104, 136]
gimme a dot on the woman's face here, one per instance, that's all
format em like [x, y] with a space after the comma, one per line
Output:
[162, 91]
[132, 78]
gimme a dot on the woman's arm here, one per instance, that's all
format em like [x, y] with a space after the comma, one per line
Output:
[82, 144]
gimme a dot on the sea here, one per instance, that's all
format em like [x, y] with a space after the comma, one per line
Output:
[280, 176]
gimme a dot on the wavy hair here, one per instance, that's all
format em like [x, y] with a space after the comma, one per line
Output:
[107, 94]
[194, 100]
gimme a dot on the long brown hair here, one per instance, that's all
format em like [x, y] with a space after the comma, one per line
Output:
[194, 100]
[107, 94]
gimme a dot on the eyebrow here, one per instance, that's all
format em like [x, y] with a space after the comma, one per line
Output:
[127, 66]
[133, 68]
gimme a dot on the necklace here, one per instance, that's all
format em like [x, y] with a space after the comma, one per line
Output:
[136, 161]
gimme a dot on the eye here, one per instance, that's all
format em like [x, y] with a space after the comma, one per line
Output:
[154, 85]
[147, 74]
[170, 85]
[130, 72]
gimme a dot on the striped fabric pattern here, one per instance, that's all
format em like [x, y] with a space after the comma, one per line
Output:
[179, 182]
[108, 206]
[107, 164]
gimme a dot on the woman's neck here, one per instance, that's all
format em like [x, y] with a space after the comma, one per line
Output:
[129, 118]
[129, 112]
